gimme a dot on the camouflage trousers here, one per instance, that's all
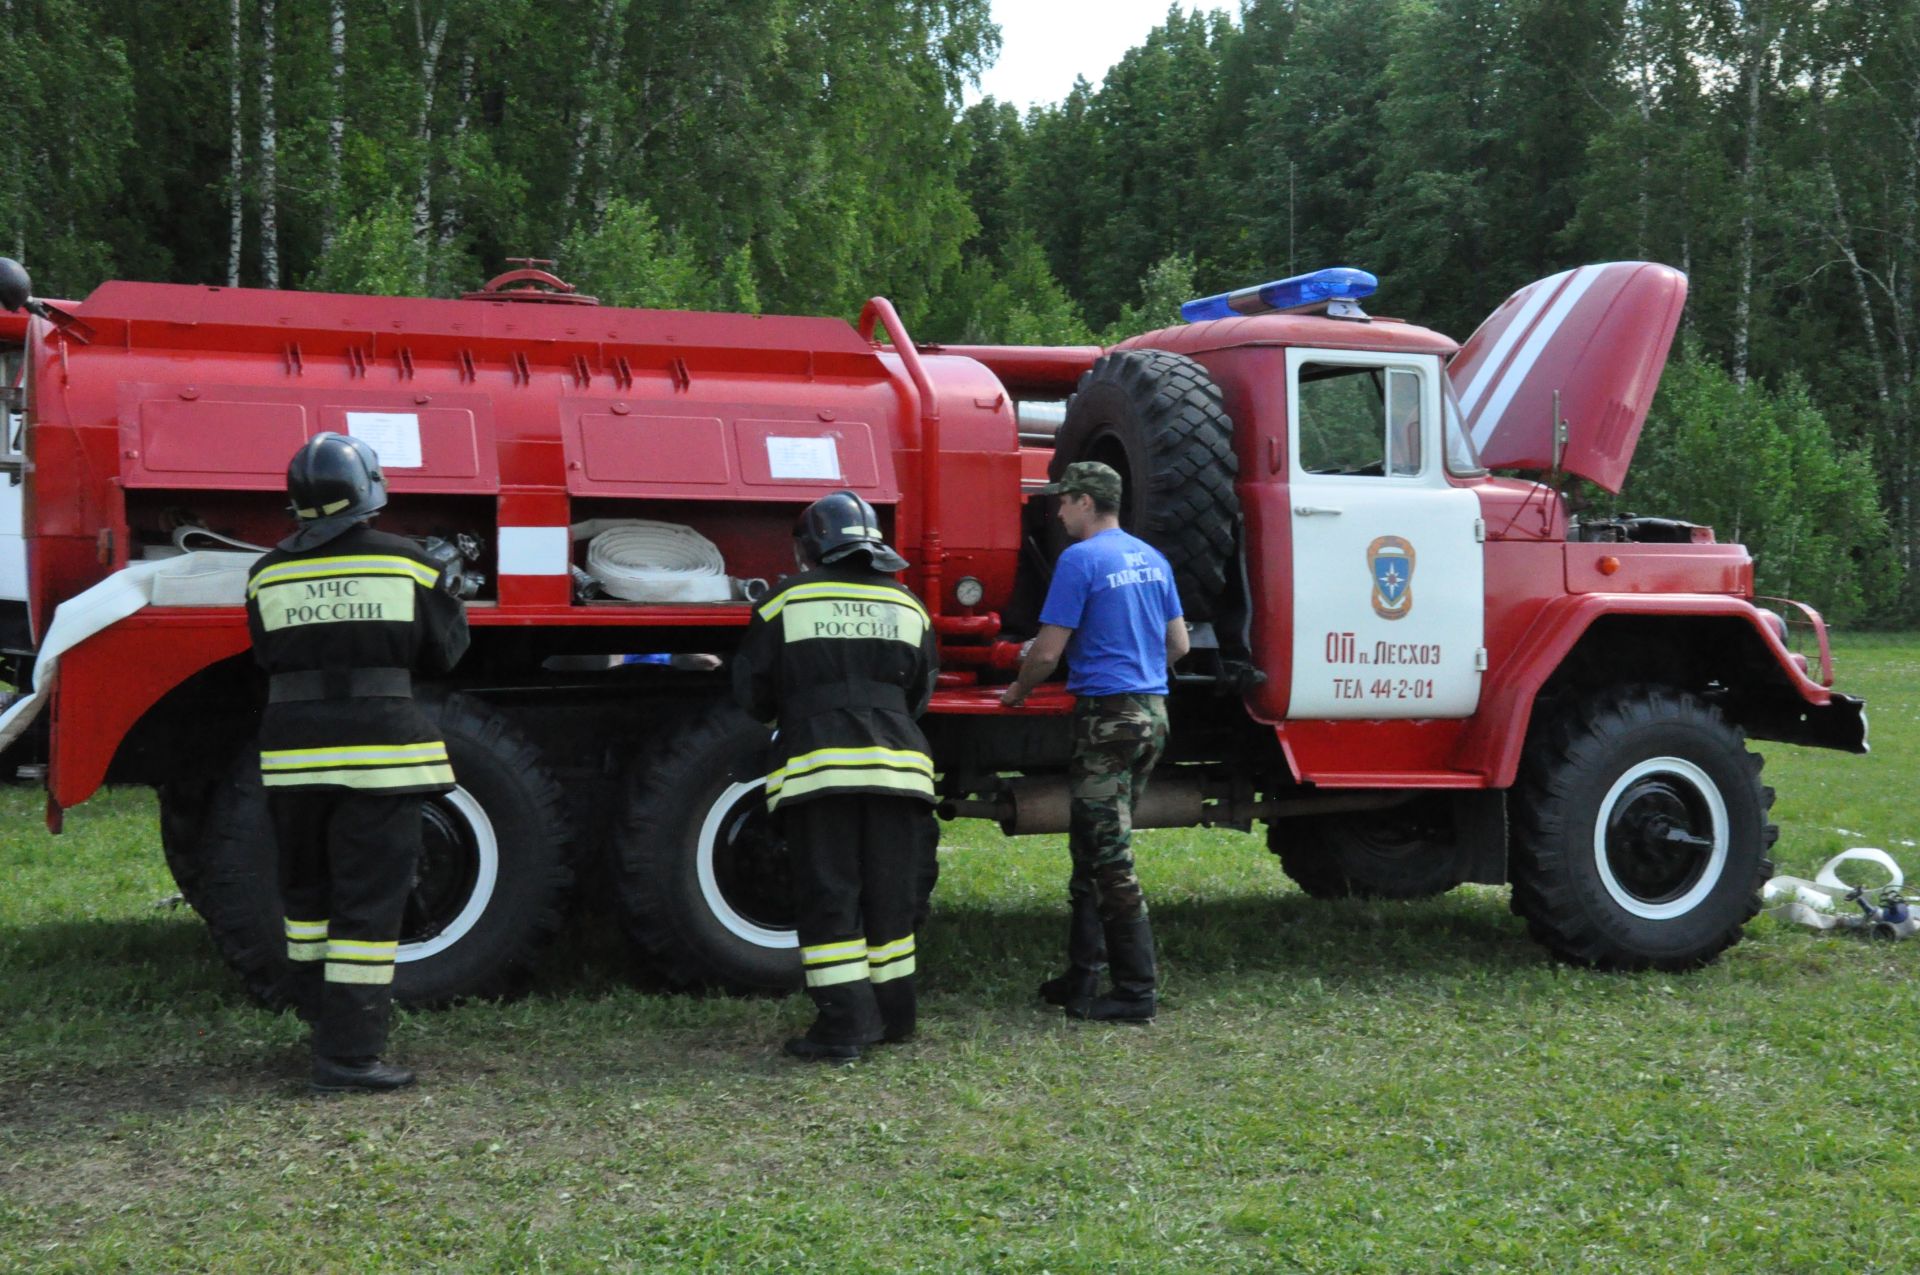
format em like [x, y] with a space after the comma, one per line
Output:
[1116, 741]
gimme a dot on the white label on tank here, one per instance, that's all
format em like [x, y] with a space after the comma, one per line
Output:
[815, 458]
[394, 436]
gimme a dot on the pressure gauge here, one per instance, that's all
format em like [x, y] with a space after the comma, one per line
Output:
[968, 591]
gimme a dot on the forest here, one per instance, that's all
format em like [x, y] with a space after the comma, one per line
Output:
[802, 155]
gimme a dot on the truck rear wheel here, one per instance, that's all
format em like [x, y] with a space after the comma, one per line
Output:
[704, 882]
[1404, 852]
[1159, 420]
[490, 891]
[1640, 832]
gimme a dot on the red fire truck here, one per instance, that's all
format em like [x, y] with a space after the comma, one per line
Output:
[1413, 672]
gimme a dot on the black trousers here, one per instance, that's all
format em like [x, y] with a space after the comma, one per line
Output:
[347, 862]
[859, 869]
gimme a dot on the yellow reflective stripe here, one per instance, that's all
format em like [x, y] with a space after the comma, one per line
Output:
[889, 951]
[845, 592]
[374, 564]
[334, 506]
[354, 755]
[864, 777]
[305, 929]
[892, 970]
[861, 531]
[384, 777]
[307, 951]
[902, 758]
[361, 950]
[345, 972]
[851, 972]
[824, 952]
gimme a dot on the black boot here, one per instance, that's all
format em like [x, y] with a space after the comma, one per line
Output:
[1086, 953]
[899, 1013]
[847, 1019]
[1130, 949]
[356, 1075]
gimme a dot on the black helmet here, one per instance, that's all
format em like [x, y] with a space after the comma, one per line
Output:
[840, 524]
[335, 482]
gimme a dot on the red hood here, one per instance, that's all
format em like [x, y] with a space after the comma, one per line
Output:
[1598, 335]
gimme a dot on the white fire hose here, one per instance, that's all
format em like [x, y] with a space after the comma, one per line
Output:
[639, 560]
[1828, 903]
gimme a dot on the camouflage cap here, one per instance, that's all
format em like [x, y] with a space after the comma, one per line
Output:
[1089, 478]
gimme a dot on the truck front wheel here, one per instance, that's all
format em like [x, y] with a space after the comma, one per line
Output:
[1640, 831]
[704, 886]
[489, 892]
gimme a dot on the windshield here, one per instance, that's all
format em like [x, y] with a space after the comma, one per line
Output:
[1463, 459]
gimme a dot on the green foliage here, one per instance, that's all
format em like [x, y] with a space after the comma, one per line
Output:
[626, 261]
[376, 252]
[1016, 302]
[1168, 283]
[1762, 468]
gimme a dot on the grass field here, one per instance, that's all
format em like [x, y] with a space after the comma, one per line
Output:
[1353, 1087]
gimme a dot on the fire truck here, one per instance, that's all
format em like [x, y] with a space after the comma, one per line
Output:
[1417, 661]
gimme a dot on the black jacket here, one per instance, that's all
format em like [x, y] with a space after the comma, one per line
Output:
[340, 628]
[842, 659]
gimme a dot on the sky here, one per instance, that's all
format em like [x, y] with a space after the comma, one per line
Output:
[1044, 44]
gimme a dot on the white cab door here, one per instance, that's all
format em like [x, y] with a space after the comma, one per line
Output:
[1388, 580]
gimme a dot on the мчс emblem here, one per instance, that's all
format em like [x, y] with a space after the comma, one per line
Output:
[1390, 560]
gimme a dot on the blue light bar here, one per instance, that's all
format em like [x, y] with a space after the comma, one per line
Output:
[1341, 283]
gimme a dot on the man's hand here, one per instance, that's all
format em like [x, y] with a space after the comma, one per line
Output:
[1013, 697]
[1040, 657]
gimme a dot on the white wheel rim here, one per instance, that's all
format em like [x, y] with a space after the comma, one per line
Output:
[723, 911]
[1701, 783]
[488, 847]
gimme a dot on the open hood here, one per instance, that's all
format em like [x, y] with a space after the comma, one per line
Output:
[1598, 335]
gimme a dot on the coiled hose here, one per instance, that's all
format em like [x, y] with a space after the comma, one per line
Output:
[640, 560]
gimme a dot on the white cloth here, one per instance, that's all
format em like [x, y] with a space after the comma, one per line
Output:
[202, 578]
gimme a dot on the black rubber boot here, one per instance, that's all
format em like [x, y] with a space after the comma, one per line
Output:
[1086, 953]
[848, 1018]
[356, 1075]
[1132, 1000]
[899, 1012]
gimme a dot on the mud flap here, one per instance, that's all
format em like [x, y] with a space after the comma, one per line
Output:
[1480, 830]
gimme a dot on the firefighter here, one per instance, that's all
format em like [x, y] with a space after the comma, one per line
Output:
[1113, 611]
[841, 659]
[341, 617]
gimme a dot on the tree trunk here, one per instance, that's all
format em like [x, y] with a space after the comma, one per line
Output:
[1841, 233]
[1743, 287]
[583, 127]
[336, 123]
[236, 178]
[603, 134]
[450, 204]
[423, 131]
[269, 151]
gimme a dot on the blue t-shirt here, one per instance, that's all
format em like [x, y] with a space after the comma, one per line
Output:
[1116, 593]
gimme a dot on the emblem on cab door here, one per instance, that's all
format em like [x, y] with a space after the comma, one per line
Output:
[1390, 560]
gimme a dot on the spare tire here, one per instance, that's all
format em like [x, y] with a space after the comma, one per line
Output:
[1159, 420]
[490, 891]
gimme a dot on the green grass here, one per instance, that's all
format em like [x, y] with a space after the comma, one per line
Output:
[1354, 1087]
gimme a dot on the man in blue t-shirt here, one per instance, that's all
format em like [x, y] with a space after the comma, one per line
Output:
[1113, 612]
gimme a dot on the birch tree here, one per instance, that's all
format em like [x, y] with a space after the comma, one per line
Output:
[269, 155]
[236, 152]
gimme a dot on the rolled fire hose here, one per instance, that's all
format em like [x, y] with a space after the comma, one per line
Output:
[639, 560]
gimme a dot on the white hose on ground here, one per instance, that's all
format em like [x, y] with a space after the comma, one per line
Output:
[639, 560]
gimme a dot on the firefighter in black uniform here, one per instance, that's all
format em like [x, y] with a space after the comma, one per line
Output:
[842, 659]
[341, 616]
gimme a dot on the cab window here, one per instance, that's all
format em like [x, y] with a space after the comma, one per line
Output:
[1360, 422]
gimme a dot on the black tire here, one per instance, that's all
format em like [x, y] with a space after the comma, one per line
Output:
[1640, 831]
[1403, 852]
[183, 809]
[1159, 419]
[490, 893]
[705, 888]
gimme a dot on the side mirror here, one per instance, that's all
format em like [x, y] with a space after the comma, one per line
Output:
[15, 286]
